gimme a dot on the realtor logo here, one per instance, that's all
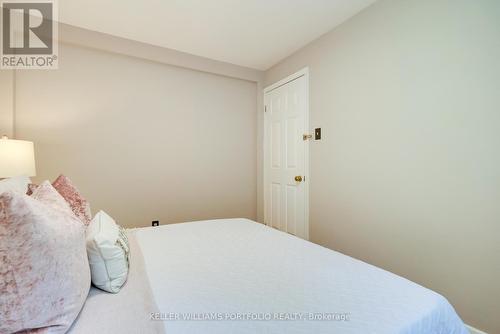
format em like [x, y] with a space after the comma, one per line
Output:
[29, 34]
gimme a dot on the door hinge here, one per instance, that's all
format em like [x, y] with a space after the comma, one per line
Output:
[306, 137]
[265, 108]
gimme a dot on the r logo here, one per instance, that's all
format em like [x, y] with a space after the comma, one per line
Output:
[33, 21]
[29, 34]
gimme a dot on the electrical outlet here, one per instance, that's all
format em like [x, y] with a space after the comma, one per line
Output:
[156, 223]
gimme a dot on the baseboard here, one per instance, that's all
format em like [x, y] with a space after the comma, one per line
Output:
[473, 330]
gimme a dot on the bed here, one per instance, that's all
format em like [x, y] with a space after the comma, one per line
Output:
[238, 276]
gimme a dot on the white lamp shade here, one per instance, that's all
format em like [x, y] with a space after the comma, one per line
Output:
[17, 157]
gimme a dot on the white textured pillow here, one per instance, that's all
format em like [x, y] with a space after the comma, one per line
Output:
[107, 249]
[17, 184]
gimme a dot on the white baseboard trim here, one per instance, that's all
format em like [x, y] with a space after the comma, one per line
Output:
[473, 330]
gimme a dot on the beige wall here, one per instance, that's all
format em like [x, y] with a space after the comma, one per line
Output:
[72, 35]
[143, 140]
[6, 100]
[407, 176]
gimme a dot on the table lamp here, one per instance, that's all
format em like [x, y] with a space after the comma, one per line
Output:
[17, 157]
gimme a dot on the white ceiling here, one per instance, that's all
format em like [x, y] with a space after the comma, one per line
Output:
[251, 33]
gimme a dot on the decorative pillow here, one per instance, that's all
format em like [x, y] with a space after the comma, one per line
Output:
[18, 184]
[48, 195]
[77, 203]
[108, 251]
[44, 270]
[31, 188]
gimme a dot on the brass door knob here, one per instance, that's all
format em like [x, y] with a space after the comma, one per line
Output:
[298, 178]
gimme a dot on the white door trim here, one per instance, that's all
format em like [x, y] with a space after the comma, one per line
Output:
[302, 73]
[296, 75]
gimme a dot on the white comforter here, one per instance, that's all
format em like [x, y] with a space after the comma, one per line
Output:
[225, 272]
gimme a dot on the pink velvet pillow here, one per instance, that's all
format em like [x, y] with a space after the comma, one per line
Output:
[78, 204]
[44, 270]
[70, 193]
[47, 194]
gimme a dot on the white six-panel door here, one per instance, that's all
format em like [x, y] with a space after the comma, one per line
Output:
[285, 190]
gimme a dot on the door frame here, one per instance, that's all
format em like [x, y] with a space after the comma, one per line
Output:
[301, 73]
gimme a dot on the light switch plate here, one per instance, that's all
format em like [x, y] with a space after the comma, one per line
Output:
[317, 134]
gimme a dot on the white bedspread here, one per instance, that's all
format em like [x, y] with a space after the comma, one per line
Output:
[237, 268]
